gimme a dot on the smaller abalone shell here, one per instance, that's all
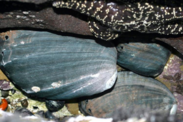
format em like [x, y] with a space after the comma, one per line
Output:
[130, 90]
[147, 59]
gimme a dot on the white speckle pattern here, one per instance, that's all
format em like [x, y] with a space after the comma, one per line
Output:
[113, 18]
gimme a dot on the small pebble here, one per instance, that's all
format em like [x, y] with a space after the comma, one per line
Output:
[24, 103]
[8, 100]
[13, 91]
[23, 112]
[54, 106]
[4, 93]
[41, 113]
[49, 115]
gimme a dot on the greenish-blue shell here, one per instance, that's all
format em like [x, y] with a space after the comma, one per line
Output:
[46, 65]
[147, 59]
[130, 90]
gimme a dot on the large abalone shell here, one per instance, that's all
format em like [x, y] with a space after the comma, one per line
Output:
[147, 59]
[51, 66]
[130, 90]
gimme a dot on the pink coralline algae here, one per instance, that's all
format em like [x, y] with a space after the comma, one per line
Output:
[5, 85]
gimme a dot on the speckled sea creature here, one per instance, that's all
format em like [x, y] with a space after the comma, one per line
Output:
[112, 18]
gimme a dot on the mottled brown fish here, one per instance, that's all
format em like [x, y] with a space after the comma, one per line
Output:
[111, 18]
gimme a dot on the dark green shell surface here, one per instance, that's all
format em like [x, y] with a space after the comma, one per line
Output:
[147, 59]
[130, 90]
[51, 66]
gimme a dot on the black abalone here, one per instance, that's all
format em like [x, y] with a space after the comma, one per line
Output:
[51, 66]
[147, 59]
[130, 90]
